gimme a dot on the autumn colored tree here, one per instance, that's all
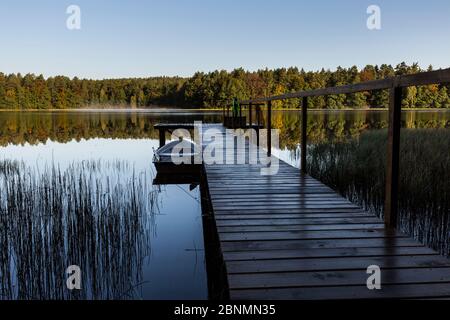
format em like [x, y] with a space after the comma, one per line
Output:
[213, 89]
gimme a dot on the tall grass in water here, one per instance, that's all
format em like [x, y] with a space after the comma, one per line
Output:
[356, 169]
[93, 214]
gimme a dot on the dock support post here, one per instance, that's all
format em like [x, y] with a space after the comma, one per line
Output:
[269, 128]
[162, 137]
[393, 157]
[304, 136]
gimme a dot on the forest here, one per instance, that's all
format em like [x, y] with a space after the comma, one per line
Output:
[213, 89]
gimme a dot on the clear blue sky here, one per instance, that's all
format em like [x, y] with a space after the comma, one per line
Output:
[178, 37]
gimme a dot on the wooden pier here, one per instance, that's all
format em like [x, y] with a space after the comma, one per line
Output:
[288, 236]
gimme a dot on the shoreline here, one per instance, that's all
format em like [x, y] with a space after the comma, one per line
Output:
[181, 110]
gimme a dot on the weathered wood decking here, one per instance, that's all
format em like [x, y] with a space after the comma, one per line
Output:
[289, 236]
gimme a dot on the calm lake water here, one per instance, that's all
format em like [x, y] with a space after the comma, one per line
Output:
[164, 258]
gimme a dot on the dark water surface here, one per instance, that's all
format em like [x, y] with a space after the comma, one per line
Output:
[143, 241]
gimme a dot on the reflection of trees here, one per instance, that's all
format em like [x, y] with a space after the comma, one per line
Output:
[338, 126]
[33, 127]
[97, 215]
[18, 128]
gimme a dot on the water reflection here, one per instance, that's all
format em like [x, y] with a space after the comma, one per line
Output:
[91, 203]
[76, 188]
[38, 127]
[327, 126]
[92, 214]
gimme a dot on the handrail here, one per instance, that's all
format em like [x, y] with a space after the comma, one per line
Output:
[418, 79]
[395, 85]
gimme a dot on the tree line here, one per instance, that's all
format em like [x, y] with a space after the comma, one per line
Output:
[213, 89]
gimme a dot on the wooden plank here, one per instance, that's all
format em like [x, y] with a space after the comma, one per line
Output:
[271, 191]
[277, 196]
[284, 172]
[326, 253]
[238, 197]
[316, 244]
[238, 181]
[289, 213]
[273, 185]
[287, 206]
[263, 183]
[235, 180]
[282, 200]
[412, 291]
[294, 227]
[297, 209]
[265, 180]
[275, 217]
[337, 278]
[298, 203]
[338, 263]
[303, 235]
[363, 86]
[251, 186]
[237, 222]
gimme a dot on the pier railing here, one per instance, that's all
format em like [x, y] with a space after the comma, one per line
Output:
[395, 86]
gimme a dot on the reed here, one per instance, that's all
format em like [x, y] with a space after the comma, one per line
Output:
[94, 214]
[356, 169]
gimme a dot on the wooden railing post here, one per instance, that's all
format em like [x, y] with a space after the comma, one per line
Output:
[258, 123]
[269, 128]
[250, 115]
[224, 114]
[233, 116]
[393, 157]
[304, 137]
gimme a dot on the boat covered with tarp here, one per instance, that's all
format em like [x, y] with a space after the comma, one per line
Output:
[177, 158]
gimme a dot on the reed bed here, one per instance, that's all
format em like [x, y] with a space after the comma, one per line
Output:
[356, 169]
[94, 214]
